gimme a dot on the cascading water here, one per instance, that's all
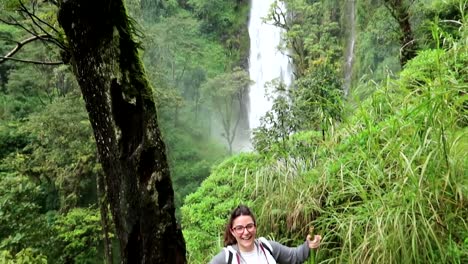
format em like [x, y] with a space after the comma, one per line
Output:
[349, 56]
[266, 62]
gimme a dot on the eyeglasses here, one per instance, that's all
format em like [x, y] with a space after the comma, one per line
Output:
[240, 229]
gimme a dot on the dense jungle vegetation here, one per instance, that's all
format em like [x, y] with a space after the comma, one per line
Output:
[380, 170]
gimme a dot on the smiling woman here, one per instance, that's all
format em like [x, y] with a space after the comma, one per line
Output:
[240, 243]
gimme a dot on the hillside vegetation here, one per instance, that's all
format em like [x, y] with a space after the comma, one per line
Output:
[387, 184]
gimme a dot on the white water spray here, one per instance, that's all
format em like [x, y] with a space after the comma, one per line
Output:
[266, 62]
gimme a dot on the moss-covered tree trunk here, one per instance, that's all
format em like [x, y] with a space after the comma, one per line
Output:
[122, 112]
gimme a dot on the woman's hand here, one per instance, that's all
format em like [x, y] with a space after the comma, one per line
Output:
[315, 243]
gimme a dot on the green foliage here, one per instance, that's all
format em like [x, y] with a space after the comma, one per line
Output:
[217, 15]
[61, 153]
[278, 123]
[13, 107]
[175, 51]
[318, 97]
[179, 60]
[11, 139]
[22, 223]
[228, 85]
[28, 89]
[25, 256]
[377, 48]
[315, 102]
[6, 32]
[27, 81]
[79, 234]
[312, 31]
[225, 20]
[445, 13]
[31, 235]
[191, 157]
[153, 10]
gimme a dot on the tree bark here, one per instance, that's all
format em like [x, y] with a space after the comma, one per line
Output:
[400, 12]
[121, 109]
[106, 227]
[407, 41]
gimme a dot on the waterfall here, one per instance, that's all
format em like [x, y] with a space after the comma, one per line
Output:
[266, 62]
[349, 56]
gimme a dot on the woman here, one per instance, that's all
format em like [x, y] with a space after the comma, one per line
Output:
[242, 247]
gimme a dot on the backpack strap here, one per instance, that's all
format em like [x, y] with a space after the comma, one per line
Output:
[264, 242]
[229, 252]
[265, 245]
[228, 256]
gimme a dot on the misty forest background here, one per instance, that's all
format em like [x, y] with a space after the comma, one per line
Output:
[378, 166]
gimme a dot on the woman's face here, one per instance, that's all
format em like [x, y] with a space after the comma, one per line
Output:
[244, 230]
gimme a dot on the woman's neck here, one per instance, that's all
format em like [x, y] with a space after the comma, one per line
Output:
[247, 249]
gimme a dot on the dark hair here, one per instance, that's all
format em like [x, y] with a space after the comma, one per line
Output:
[229, 239]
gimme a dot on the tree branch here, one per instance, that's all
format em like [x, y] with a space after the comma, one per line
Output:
[37, 28]
[39, 31]
[277, 17]
[15, 23]
[38, 22]
[2, 59]
[21, 44]
[35, 19]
